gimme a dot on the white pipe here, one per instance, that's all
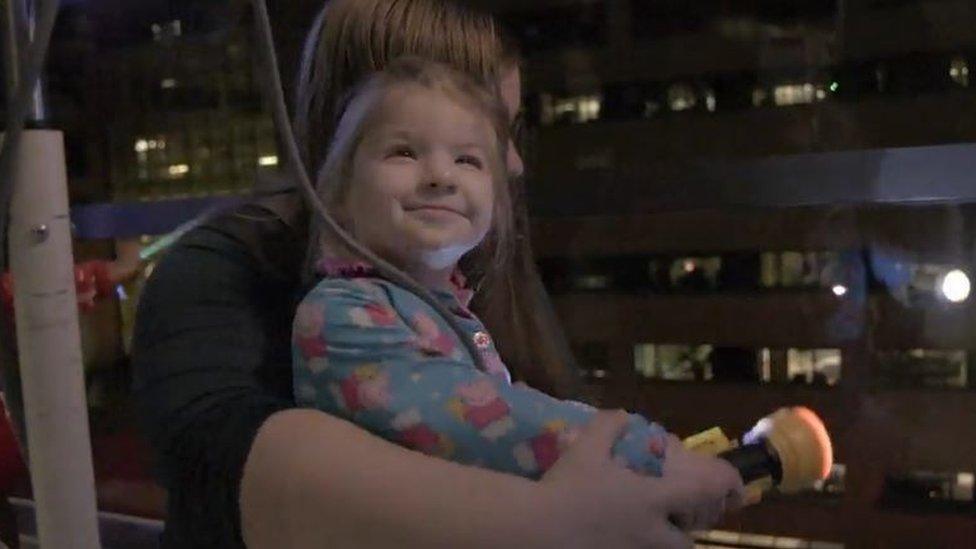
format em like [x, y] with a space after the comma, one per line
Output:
[59, 447]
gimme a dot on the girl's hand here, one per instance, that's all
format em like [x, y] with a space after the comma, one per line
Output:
[592, 502]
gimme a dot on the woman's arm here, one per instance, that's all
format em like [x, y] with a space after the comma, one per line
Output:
[302, 490]
[211, 363]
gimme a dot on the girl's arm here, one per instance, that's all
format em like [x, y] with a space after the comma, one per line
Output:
[356, 358]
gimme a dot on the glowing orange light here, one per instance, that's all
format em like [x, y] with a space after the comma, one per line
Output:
[820, 433]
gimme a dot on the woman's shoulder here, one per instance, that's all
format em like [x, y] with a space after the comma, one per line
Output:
[260, 236]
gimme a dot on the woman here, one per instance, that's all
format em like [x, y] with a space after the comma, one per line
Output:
[212, 366]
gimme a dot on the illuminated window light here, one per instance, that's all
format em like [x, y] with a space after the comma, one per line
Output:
[759, 97]
[593, 282]
[839, 290]
[710, 102]
[963, 489]
[270, 160]
[564, 107]
[590, 109]
[681, 97]
[956, 286]
[168, 83]
[179, 170]
[959, 71]
[794, 94]
[834, 86]
[142, 145]
[577, 109]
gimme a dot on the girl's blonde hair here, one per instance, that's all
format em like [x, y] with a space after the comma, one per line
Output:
[352, 39]
[360, 113]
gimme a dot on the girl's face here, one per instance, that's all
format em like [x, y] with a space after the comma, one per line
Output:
[421, 190]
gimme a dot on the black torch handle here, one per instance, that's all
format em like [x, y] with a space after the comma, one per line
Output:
[754, 461]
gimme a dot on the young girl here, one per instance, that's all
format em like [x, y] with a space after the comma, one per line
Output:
[416, 174]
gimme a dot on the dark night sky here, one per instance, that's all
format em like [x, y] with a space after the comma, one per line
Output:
[124, 22]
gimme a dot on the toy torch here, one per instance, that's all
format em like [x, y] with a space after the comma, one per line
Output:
[789, 449]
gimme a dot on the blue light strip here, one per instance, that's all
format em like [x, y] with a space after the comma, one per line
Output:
[136, 219]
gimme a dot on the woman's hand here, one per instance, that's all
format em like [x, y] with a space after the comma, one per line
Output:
[597, 503]
[708, 487]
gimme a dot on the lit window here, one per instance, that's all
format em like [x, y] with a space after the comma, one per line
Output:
[813, 366]
[931, 368]
[959, 71]
[142, 146]
[806, 269]
[592, 282]
[797, 94]
[695, 273]
[759, 97]
[171, 29]
[270, 160]
[681, 97]
[587, 108]
[710, 101]
[673, 362]
[769, 269]
[179, 170]
[651, 108]
[168, 83]
[962, 490]
[576, 109]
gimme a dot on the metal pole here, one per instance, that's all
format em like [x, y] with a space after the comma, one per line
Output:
[38, 111]
[11, 43]
[49, 345]
[20, 20]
